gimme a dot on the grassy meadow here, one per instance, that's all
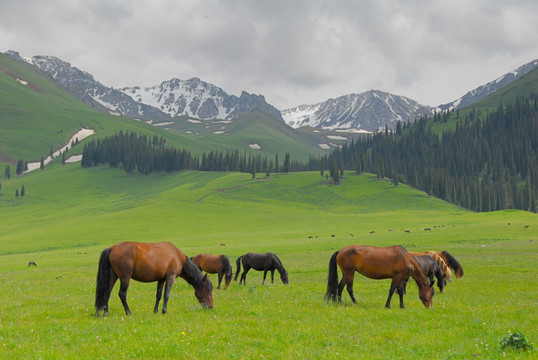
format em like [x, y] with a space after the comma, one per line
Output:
[69, 215]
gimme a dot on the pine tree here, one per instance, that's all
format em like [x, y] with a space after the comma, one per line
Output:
[7, 172]
[23, 191]
[287, 163]
[20, 167]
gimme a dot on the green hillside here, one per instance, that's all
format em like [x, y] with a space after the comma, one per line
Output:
[35, 114]
[104, 200]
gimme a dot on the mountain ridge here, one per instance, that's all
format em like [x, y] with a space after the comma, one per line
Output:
[368, 111]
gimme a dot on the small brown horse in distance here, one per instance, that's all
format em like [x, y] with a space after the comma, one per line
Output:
[393, 262]
[215, 264]
[145, 262]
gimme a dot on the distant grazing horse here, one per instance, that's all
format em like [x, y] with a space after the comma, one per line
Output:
[261, 262]
[32, 263]
[393, 262]
[445, 269]
[215, 264]
[430, 268]
[161, 262]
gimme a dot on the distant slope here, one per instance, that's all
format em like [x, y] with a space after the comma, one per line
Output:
[159, 103]
[479, 93]
[371, 111]
[35, 115]
[525, 85]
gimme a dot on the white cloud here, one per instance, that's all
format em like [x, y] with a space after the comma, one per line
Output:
[293, 52]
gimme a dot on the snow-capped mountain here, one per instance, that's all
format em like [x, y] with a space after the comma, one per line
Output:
[370, 111]
[171, 98]
[199, 99]
[484, 90]
[83, 86]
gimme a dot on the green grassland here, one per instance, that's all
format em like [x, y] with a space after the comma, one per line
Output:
[70, 214]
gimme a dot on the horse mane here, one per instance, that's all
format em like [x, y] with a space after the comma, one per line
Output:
[454, 264]
[442, 264]
[192, 274]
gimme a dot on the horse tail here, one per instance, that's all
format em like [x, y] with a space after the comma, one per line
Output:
[238, 262]
[228, 272]
[454, 264]
[442, 264]
[332, 281]
[103, 273]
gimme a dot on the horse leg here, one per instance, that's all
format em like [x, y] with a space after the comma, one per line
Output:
[347, 281]
[112, 278]
[349, 286]
[404, 286]
[272, 276]
[401, 294]
[124, 285]
[221, 274]
[246, 268]
[393, 287]
[169, 282]
[158, 295]
[264, 276]
[341, 288]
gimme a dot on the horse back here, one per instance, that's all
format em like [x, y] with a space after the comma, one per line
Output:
[146, 262]
[375, 262]
[209, 263]
[257, 261]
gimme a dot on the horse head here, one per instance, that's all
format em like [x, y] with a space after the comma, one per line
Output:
[426, 295]
[205, 293]
[284, 277]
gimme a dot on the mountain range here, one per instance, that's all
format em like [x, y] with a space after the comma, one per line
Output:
[193, 98]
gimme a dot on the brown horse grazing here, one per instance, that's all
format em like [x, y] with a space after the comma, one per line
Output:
[393, 262]
[161, 262]
[215, 264]
[32, 263]
[261, 262]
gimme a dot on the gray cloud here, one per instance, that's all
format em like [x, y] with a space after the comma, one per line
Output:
[293, 52]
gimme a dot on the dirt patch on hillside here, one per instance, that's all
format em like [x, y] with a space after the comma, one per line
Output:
[24, 82]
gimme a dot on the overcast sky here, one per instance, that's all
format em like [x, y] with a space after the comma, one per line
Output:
[291, 51]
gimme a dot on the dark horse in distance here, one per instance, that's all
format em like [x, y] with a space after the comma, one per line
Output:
[261, 262]
[161, 262]
[393, 262]
[215, 264]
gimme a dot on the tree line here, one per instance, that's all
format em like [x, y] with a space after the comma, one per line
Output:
[135, 152]
[486, 163]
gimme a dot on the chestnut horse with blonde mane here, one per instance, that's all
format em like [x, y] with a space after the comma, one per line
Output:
[393, 262]
[215, 264]
[446, 262]
[145, 262]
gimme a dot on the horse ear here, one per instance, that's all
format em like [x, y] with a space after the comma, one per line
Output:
[433, 282]
[205, 277]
